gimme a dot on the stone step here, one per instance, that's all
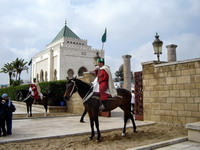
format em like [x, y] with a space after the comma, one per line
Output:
[193, 131]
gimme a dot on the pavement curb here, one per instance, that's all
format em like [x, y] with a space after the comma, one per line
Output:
[160, 144]
[45, 117]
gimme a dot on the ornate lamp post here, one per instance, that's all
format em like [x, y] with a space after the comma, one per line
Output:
[95, 58]
[157, 45]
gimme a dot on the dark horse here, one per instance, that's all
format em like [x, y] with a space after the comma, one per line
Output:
[92, 104]
[22, 94]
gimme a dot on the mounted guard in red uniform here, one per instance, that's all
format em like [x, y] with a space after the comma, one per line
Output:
[35, 91]
[105, 81]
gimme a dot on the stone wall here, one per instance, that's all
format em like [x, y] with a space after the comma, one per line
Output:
[172, 91]
[75, 104]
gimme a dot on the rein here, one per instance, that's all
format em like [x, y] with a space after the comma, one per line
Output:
[87, 95]
[73, 88]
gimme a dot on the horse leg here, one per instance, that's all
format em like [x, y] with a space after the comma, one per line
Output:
[91, 126]
[83, 115]
[45, 114]
[30, 108]
[133, 122]
[27, 109]
[45, 107]
[96, 119]
[125, 121]
[126, 117]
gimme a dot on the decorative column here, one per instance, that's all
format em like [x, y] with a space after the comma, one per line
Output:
[127, 72]
[171, 52]
[50, 65]
[33, 70]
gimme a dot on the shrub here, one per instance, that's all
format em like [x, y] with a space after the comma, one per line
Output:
[57, 87]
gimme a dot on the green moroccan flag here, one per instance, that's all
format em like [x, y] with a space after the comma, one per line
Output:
[103, 39]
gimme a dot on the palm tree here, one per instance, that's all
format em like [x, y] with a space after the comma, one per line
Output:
[19, 66]
[8, 68]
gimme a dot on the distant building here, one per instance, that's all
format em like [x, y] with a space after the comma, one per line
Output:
[66, 56]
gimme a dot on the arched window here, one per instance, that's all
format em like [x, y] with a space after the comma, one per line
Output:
[55, 75]
[41, 76]
[81, 70]
[70, 73]
[46, 78]
[37, 77]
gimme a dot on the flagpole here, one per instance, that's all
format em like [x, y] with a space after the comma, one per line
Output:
[102, 45]
[103, 39]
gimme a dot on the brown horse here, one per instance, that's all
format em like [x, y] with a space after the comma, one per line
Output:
[92, 104]
[23, 94]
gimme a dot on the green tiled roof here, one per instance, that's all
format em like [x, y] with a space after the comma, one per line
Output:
[65, 32]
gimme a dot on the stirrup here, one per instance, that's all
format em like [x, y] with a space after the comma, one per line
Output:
[101, 107]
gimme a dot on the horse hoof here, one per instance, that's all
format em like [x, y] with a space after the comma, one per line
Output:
[89, 138]
[97, 141]
[135, 131]
[82, 121]
[123, 134]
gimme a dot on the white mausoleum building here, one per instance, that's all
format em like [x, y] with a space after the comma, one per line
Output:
[66, 56]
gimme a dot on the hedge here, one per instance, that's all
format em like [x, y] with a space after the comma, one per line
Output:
[58, 87]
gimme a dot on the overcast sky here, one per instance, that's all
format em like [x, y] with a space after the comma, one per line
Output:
[27, 26]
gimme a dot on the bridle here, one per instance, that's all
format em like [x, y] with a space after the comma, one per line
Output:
[74, 85]
[87, 95]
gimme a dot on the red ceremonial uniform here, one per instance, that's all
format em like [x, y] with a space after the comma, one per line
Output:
[103, 84]
[34, 89]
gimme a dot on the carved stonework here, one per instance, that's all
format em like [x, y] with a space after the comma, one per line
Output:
[138, 96]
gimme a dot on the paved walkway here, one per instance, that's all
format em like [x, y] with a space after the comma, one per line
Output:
[28, 129]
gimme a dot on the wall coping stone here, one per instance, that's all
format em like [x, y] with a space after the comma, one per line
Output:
[193, 126]
[153, 62]
[164, 63]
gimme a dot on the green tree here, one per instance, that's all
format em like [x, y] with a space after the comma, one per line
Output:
[120, 74]
[8, 69]
[19, 66]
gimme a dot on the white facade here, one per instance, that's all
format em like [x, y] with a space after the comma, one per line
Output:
[66, 57]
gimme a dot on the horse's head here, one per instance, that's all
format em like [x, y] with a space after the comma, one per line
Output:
[18, 95]
[71, 88]
[21, 94]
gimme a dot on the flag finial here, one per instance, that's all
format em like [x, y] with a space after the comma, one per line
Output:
[65, 22]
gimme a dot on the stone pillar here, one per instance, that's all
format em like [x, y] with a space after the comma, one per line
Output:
[171, 52]
[127, 72]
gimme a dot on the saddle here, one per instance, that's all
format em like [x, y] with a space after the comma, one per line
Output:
[38, 100]
[97, 96]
